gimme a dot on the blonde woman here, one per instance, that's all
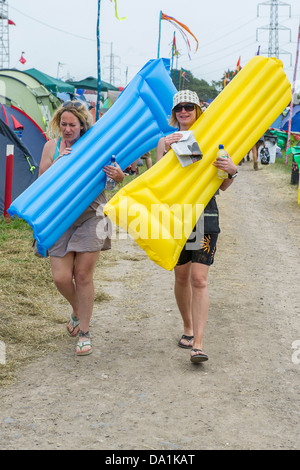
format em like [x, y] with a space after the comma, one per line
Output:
[191, 271]
[74, 256]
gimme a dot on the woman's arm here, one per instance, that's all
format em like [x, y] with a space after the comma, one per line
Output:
[47, 156]
[160, 149]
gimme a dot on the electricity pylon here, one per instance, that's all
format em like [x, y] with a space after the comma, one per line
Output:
[274, 27]
[4, 35]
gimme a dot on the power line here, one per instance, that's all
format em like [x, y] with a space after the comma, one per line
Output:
[217, 51]
[55, 28]
[226, 34]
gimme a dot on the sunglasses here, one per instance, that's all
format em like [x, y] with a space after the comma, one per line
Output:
[188, 107]
[72, 104]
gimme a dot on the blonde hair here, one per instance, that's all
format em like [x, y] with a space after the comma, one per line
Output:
[78, 109]
[173, 121]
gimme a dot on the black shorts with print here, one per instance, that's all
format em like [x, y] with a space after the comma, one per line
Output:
[204, 255]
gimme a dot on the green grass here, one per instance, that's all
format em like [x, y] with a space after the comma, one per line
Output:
[280, 163]
[17, 228]
[29, 324]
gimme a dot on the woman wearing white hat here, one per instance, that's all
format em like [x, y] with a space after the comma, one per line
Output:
[191, 271]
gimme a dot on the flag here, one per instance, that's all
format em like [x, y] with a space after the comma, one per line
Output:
[11, 22]
[238, 66]
[226, 79]
[116, 12]
[174, 47]
[185, 74]
[22, 59]
[180, 26]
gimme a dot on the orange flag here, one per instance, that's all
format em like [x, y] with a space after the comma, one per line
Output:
[171, 19]
[238, 66]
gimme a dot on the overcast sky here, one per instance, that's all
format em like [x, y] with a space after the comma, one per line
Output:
[64, 31]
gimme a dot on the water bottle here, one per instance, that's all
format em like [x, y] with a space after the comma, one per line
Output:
[110, 183]
[222, 175]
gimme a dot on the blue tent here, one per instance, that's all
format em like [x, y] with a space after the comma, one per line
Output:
[277, 124]
[25, 169]
[25, 128]
[295, 120]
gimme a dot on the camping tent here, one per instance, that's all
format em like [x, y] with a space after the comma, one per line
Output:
[26, 129]
[52, 84]
[26, 93]
[90, 83]
[295, 120]
[110, 100]
[25, 169]
[277, 123]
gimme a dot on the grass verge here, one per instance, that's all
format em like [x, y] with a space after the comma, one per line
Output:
[30, 325]
[32, 312]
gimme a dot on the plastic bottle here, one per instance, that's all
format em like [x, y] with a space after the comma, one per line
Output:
[110, 183]
[222, 175]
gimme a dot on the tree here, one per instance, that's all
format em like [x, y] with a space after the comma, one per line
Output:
[227, 77]
[184, 79]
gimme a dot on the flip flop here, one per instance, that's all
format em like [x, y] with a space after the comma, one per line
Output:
[199, 357]
[188, 339]
[84, 343]
[75, 322]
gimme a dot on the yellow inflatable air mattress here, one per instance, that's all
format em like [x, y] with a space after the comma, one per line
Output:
[160, 208]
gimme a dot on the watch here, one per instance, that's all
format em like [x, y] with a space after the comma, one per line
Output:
[233, 176]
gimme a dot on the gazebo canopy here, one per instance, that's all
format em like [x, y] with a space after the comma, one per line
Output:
[52, 84]
[90, 83]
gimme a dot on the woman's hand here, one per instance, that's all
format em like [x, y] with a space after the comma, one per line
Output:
[171, 139]
[164, 144]
[66, 151]
[225, 164]
[114, 172]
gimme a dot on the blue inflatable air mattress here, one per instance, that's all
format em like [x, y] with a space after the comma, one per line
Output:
[133, 126]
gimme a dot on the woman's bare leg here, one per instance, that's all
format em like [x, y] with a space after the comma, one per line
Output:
[62, 272]
[183, 296]
[200, 302]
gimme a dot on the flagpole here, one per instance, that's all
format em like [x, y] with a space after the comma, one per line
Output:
[159, 34]
[58, 67]
[172, 60]
[182, 86]
[292, 101]
[98, 63]
[176, 71]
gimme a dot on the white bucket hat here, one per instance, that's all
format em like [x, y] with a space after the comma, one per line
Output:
[186, 96]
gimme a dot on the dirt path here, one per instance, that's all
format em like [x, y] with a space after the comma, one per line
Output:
[139, 390]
